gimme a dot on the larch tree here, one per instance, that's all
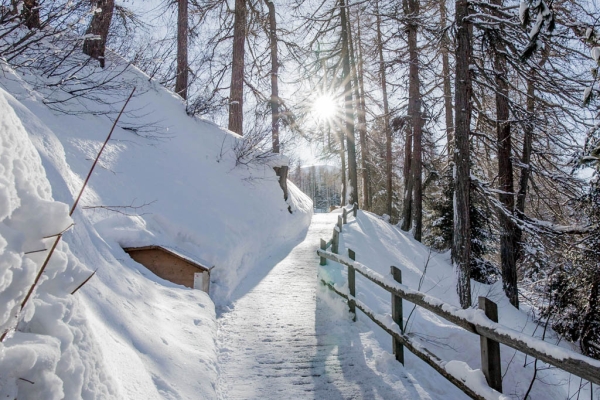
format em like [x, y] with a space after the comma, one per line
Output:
[461, 239]
[359, 104]
[275, 117]
[181, 78]
[386, 115]
[348, 104]
[236, 93]
[508, 228]
[413, 194]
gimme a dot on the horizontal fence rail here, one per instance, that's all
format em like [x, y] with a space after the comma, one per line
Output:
[482, 322]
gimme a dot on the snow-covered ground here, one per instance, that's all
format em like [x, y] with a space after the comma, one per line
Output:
[168, 179]
[127, 334]
[287, 337]
[379, 245]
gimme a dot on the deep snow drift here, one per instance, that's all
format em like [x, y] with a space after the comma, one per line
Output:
[126, 333]
[378, 245]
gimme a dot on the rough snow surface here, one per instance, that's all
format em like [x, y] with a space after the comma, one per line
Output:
[167, 179]
[378, 245]
[288, 337]
[52, 351]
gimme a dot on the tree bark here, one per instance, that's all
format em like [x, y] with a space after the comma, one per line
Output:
[236, 94]
[461, 242]
[413, 198]
[527, 147]
[386, 117]
[349, 123]
[508, 228]
[445, 50]
[343, 171]
[99, 27]
[408, 181]
[274, 74]
[414, 107]
[181, 79]
[359, 95]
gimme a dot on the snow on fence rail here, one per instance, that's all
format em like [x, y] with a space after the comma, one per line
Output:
[482, 322]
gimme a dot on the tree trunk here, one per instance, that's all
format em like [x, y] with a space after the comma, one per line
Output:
[359, 95]
[236, 94]
[526, 155]
[408, 182]
[445, 50]
[99, 27]
[461, 241]
[386, 117]
[508, 229]
[349, 125]
[343, 171]
[414, 111]
[274, 72]
[527, 146]
[413, 199]
[181, 79]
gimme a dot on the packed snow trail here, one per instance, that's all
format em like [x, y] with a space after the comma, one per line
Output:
[282, 339]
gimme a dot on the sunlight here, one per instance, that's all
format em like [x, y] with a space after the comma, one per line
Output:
[325, 106]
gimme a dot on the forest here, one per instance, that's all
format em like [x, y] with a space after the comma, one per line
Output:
[473, 125]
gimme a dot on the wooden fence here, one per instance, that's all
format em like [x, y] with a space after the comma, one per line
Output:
[483, 323]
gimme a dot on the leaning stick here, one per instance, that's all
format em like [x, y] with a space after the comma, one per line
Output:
[59, 236]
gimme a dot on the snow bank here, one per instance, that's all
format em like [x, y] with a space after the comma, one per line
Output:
[53, 350]
[165, 179]
[379, 245]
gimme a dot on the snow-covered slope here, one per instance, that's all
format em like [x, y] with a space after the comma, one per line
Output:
[126, 334]
[379, 245]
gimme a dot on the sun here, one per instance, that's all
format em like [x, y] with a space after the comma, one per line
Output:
[325, 107]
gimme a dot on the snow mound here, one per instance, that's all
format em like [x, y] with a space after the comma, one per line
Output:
[53, 349]
[379, 245]
[164, 179]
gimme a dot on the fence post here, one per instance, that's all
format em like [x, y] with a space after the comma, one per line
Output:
[352, 285]
[397, 315]
[323, 260]
[335, 242]
[345, 216]
[340, 223]
[490, 349]
[355, 210]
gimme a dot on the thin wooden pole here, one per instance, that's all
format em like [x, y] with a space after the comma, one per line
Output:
[490, 349]
[397, 315]
[59, 236]
[340, 223]
[355, 209]
[323, 260]
[345, 216]
[352, 285]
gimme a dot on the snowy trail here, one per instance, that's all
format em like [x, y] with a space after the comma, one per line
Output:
[283, 340]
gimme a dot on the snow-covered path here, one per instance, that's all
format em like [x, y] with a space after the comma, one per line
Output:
[282, 339]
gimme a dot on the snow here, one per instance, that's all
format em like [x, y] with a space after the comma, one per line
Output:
[378, 245]
[595, 53]
[49, 348]
[523, 9]
[474, 379]
[126, 333]
[289, 337]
